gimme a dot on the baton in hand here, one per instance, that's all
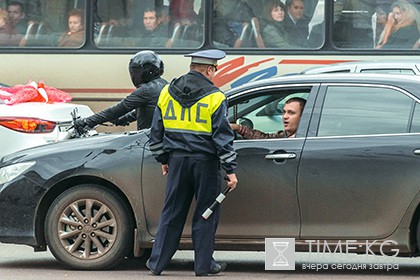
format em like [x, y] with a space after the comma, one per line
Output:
[217, 201]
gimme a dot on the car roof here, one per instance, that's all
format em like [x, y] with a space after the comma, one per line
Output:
[409, 82]
[365, 64]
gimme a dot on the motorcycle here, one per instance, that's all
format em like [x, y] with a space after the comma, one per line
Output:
[73, 133]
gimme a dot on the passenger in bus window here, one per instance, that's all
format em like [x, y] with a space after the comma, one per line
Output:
[55, 14]
[75, 35]
[135, 12]
[154, 33]
[381, 13]
[402, 28]
[292, 112]
[297, 23]
[17, 16]
[273, 30]
[8, 33]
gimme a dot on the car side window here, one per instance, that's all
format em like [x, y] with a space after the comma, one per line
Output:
[357, 110]
[339, 71]
[263, 111]
[390, 71]
[258, 113]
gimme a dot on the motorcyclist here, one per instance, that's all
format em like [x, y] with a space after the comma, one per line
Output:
[146, 69]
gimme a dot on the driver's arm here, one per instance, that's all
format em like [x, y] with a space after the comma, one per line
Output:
[248, 133]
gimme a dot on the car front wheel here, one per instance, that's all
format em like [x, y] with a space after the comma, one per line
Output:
[88, 227]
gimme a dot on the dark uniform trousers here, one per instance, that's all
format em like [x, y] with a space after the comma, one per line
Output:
[195, 174]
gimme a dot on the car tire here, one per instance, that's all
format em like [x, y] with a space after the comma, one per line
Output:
[89, 240]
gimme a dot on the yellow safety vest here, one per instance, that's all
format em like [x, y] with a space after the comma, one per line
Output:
[195, 119]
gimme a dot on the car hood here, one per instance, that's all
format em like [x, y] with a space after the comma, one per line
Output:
[78, 147]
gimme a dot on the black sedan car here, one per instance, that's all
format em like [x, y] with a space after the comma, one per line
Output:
[351, 173]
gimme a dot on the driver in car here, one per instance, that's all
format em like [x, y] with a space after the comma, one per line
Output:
[292, 111]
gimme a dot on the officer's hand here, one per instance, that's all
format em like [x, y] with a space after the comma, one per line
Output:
[81, 126]
[232, 181]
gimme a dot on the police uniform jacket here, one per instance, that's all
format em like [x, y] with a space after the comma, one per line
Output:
[143, 101]
[191, 117]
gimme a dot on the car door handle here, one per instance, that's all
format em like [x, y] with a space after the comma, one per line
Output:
[280, 156]
[417, 152]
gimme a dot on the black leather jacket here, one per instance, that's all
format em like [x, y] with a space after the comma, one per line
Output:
[139, 105]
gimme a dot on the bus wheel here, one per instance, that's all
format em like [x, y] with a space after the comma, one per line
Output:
[87, 227]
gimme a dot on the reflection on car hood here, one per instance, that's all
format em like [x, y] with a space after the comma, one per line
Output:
[112, 141]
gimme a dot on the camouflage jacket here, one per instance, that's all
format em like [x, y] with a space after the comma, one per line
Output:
[249, 133]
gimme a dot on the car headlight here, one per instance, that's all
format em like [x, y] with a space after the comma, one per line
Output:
[10, 172]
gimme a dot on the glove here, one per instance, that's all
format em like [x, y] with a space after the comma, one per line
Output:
[81, 126]
[121, 121]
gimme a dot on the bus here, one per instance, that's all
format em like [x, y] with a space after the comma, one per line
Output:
[94, 68]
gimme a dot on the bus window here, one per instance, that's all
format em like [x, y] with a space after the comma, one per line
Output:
[155, 24]
[291, 24]
[401, 30]
[49, 23]
[376, 25]
[353, 25]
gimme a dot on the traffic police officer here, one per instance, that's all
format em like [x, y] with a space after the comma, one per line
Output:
[145, 68]
[191, 138]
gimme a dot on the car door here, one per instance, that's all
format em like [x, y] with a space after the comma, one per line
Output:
[359, 167]
[265, 203]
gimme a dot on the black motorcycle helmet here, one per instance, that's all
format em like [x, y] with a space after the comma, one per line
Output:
[145, 66]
